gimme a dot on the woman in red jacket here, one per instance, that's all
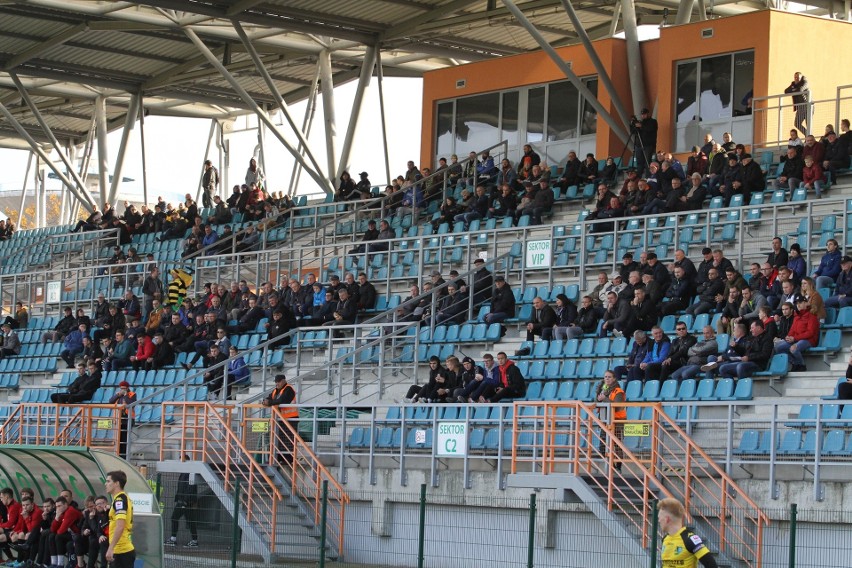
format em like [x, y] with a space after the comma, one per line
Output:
[803, 334]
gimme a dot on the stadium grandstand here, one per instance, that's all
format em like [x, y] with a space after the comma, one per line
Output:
[620, 274]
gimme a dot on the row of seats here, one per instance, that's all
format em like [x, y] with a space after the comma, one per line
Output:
[722, 390]
[756, 443]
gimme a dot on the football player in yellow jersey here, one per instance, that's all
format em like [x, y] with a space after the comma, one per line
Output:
[682, 548]
[120, 553]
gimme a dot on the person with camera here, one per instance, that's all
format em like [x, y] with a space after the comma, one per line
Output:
[608, 390]
[646, 128]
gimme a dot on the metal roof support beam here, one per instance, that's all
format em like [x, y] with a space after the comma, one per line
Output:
[50, 43]
[24, 189]
[142, 148]
[81, 185]
[307, 124]
[363, 82]
[684, 12]
[103, 148]
[261, 114]
[327, 86]
[702, 10]
[43, 156]
[282, 104]
[210, 136]
[596, 61]
[381, 77]
[566, 69]
[129, 122]
[616, 14]
[634, 55]
[402, 28]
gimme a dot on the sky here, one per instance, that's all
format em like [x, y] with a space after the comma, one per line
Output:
[175, 146]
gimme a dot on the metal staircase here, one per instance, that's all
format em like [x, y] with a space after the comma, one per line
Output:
[280, 502]
[566, 446]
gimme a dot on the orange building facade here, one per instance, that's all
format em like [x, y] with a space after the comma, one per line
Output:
[697, 76]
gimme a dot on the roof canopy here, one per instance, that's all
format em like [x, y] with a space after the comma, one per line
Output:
[66, 53]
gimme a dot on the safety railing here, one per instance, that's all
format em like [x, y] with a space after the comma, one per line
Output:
[570, 437]
[775, 115]
[205, 435]
[302, 469]
[92, 425]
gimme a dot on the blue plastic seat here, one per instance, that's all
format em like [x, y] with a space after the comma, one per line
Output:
[748, 444]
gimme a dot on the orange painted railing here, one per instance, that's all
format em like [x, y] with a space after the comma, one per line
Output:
[304, 471]
[573, 437]
[199, 431]
[88, 425]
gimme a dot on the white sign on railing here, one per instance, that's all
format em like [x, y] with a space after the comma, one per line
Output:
[54, 292]
[539, 254]
[452, 439]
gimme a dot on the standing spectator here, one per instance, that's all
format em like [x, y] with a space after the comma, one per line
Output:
[647, 127]
[186, 501]
[610, 391]
[801, 98]
[803, 334]
[152, 289]
[209, 183]
[254, 175]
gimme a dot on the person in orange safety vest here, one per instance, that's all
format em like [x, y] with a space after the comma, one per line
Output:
[283, 396]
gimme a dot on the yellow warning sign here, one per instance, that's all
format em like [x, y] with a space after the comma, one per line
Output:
[104, 424]
[260, 427]
[643, 430]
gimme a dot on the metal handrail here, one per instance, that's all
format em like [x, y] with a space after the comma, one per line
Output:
[55, 425]
[673, 454]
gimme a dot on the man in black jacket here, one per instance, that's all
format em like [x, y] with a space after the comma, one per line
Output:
[249, 319]
[512, 383]
[791, 174]
[482, 283]
[619, 318]
[707, 293]
[571, 172]
[679, 293]
[645, 310]
[752, 355]
[836, 155]
[542, 320]
[502, 302]
[186, 499]
[367, 294]
[647, 127]
[678, 352]
[63, 328]
[83, 388]
[214, 378]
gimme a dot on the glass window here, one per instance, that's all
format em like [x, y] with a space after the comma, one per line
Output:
[510, 117]
[743, 81]
[444, 134]
[589, 124]
[562, 111]
[715, 98]
[535, 115]
[476, 122]
[687, 79]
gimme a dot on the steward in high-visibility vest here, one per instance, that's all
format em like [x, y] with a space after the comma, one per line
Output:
[283, 396]
[123, 398]
[610, 391]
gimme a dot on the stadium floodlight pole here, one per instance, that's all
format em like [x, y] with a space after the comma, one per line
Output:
[282, 104]
[44, 157]
[634, 56]
[596, 61]
[566, 69]
[81, 185]
[248, 100]
[363, 82]
[129, 122]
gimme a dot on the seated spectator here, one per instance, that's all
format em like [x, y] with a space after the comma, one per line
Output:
[614, 210]
[796, 263]
[371, 234]
[542, 320]
[678, 352]
[844, 390]
[144, 350]
[118, 356]
[678, 294]
[778, 257]
[448, 212]
[83, 387]
[477, 209]
[813, 176]
[697, 356]
[791, 173]
[836, 155]
[707, 293]
[442, 385]
[485, 377]
[73, 345]
[61, 329]
[452, 308]
[658, 351]
[22, 316]
[502, 302]
[803, 334]
[631, 370]
[92, 222]
[566, 316]
[730, 310]
[588, 170]
[618, 318]
[843, 286]
[505, 205]
[164, 353]
[541, 203]
[10, 343]
[746, 355]
[697, 163]
[435, 368]
[645, 311]
[829, 265]
[511, 383]
[815, 300]
[571, 172]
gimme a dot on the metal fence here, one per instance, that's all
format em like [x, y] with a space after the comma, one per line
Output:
[775, 115]
[425, 529]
